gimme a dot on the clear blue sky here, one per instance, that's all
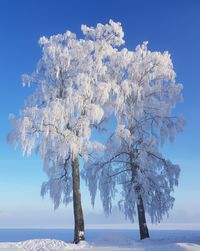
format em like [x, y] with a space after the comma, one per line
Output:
[172, 25]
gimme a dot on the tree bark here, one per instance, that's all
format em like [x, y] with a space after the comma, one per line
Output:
[78, 212]
[144, 233]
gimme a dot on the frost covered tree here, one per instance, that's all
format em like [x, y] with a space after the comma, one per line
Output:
[143, 97]
[71, 90]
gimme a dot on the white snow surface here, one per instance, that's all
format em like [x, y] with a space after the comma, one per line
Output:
[118, 242]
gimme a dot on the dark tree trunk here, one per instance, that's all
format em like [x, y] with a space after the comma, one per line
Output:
[78, 213]
[144, 233]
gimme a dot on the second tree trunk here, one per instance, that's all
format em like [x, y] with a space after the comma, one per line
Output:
[78, 212]
[144, 233]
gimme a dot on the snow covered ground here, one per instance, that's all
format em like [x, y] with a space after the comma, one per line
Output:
[111, 240]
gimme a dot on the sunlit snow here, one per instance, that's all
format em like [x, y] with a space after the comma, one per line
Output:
[112, 242]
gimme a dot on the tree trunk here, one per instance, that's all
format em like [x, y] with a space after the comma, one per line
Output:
[78, 213]
[144, 233]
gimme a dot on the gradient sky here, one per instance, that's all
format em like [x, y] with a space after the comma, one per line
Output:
[172, 25]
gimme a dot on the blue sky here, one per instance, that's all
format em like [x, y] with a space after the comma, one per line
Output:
[171, 25]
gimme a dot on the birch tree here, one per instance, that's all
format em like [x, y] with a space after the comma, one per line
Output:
[71, 90]
[143, 97]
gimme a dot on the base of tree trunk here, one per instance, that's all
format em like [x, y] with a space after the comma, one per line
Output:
[79, 236]
[144, 232]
